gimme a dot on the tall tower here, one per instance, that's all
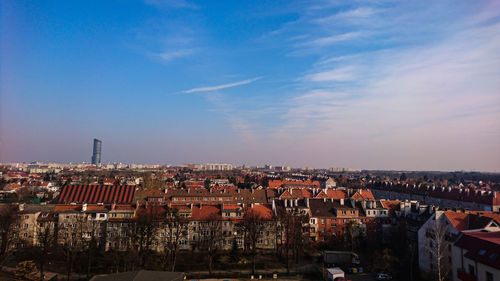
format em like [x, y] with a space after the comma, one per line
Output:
[96, 155]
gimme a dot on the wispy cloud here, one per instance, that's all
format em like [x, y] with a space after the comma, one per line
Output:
[176, 4]
[175, 54]
[220, 87]
[353, 14]
[333, 75]
[327, 40]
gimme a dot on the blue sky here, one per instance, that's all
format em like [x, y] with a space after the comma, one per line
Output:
[368, 84]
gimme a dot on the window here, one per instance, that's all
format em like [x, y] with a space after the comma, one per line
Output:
[489, 276]
[25, 235]
[25, 225]
[322, 221]
[343, 212]
[26, 217]
[471, 270]
[352, 212]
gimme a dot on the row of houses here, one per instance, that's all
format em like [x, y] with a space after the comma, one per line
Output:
[443, 196]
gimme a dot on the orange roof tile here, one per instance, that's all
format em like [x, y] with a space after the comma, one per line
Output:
[263, 211]
[336, 194]
[201, 213]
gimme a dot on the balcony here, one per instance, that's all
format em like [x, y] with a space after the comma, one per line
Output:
[464, 276]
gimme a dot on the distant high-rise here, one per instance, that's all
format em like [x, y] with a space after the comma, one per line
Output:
[96, 155]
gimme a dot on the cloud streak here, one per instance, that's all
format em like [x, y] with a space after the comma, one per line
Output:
[220, 87]
[168, 56]
[176, 4]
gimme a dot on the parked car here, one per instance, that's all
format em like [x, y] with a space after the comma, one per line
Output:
[384, 276]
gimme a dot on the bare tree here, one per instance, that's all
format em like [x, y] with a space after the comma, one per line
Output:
[438, 248]
[71, 234]
[44, 245]
[253, 225]
[9, 218]
[176, 229]
[211, 237]
[143, 232]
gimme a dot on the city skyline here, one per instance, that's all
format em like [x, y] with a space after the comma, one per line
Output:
[372, 85]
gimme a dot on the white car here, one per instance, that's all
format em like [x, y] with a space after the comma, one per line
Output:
[384, 276]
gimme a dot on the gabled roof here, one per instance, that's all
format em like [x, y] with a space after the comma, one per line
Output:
[458, 220]
[391, 206]
[471, 220]
[286, 195]
[363, 194]
[482, 247]
[321, 195]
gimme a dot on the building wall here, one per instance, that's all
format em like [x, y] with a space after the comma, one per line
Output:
[461, 263]
[426, 261]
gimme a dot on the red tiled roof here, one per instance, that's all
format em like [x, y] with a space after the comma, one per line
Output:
[280, 183]
[230, 207]
[205, 212]
[96, 208]
[363, 194]
[482, 247]
[336, 194]
[124, 208]
[458, 220]
[66, 208]
[391, 206]
[97, 194]
[264, 211]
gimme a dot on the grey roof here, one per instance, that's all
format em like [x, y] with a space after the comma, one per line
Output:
[143, 275]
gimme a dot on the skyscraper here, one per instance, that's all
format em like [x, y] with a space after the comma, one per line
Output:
[96, 155]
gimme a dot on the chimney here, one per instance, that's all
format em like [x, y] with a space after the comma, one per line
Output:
[342, 201]
[274, 205]
[286, 203]
[84, 207]
[296, 202]
[113, 206]
[307, 202]
[324, 199]
[363, 204]
[21, 207]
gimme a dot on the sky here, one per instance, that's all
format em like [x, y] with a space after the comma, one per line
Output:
[371, 84]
